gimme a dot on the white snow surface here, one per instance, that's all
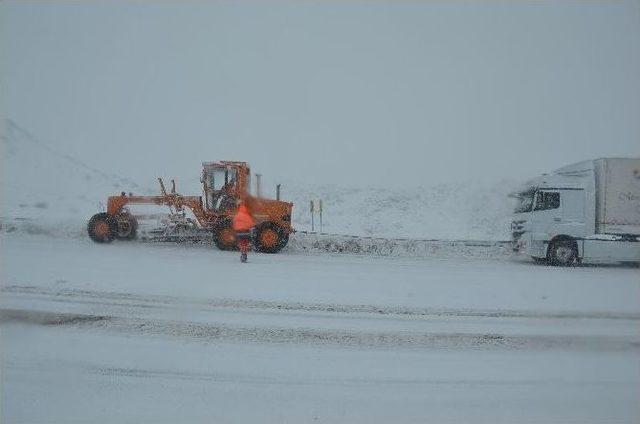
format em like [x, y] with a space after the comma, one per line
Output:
[132, 332]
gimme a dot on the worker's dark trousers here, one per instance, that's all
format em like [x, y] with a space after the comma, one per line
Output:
[244, 241]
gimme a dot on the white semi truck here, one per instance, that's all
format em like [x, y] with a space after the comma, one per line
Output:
[585, 212]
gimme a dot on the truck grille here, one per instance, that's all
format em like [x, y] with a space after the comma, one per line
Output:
[517, 229]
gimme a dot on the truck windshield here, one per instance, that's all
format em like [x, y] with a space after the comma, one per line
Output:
[524, 202]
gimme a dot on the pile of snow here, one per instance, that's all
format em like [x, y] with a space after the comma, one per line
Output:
[397, 247]
[453, 211]
[45, 190]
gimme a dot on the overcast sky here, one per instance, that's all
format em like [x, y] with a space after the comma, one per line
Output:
[356, 92]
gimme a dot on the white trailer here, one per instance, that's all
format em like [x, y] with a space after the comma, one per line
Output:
[585, 212]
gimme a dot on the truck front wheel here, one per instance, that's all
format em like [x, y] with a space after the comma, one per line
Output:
[563, 252]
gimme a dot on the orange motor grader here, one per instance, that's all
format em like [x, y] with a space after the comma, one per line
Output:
[225, 183]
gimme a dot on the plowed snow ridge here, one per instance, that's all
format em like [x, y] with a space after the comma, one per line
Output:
[154, 301]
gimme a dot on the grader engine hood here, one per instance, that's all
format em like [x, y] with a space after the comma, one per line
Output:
[271, 210]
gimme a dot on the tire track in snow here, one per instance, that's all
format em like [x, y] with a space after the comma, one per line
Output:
[236, 378]
[210, 332]
[156, 301]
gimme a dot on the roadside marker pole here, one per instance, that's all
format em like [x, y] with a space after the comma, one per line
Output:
[320, 207]
[311, 210]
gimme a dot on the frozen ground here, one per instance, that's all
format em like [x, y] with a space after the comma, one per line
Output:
[164, 333]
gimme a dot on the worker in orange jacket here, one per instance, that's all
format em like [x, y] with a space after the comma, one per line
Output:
[243, 223]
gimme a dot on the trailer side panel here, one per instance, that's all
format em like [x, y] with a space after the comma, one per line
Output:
[617, 196]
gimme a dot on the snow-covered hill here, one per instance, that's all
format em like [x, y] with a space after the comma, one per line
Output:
[48, 190]
[44, 189]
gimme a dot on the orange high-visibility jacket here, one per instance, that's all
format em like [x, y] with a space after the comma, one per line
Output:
[243, 221]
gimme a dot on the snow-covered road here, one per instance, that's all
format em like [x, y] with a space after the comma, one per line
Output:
[165, 333]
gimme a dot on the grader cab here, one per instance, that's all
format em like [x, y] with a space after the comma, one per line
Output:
[224, 183]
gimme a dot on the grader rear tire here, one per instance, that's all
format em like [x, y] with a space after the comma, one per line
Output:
[270, 238]
[224, 236]
[102, 228]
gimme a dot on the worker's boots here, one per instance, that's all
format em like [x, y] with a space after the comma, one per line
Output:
[243, 257]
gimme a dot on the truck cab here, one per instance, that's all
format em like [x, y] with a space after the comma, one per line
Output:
[545, 211]
[562, 218]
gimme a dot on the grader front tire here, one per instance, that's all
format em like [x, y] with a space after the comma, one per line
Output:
[102, 228]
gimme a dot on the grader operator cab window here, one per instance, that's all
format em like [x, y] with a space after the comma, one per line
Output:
[221, 187]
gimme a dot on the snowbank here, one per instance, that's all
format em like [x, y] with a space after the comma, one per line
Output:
[454, 211]
[397, 247]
